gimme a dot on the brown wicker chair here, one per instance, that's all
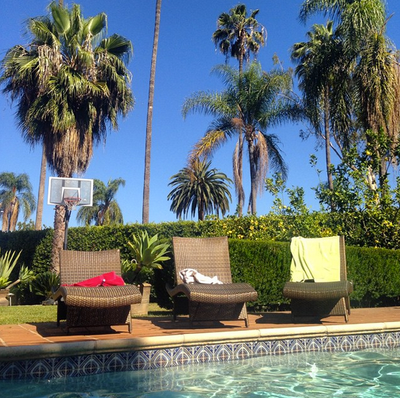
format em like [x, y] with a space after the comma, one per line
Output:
[93, 306]
[207, 302]
[321, 299]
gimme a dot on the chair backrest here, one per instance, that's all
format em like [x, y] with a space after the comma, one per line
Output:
[209, 256]
[322, 259]
[76, 266]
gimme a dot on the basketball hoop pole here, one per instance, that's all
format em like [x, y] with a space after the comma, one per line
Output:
[66, 221]
[69, 204]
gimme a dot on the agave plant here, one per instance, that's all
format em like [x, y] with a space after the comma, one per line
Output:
[43, 283]
[147, 253]
[8, 261]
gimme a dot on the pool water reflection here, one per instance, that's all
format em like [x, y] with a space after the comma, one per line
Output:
[367, 374]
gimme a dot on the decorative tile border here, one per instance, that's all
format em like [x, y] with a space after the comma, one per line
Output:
[143, 359]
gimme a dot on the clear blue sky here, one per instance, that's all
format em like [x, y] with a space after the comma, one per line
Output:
[186, 56]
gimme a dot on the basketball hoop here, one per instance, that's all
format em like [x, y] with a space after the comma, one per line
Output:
[71, 202]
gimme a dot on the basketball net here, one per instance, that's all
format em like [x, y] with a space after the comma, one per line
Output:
[71, 203]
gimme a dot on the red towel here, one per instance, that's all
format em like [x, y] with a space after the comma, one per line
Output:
[107, 279]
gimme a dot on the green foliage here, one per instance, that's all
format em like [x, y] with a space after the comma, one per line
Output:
[199, 188]
[259, 248]
[8, 261]
[147, 253]
[28, 240]
[266, 266]
[43, 283]
[376, 276]
[105, 209]
[277, 187]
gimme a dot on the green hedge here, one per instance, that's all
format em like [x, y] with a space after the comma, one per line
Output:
[259, 249]
[375, 274]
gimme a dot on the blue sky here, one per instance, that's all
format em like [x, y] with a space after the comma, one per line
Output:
[186, 56]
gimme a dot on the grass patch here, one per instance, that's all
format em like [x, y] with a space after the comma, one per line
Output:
[48, 313]
[27, 314]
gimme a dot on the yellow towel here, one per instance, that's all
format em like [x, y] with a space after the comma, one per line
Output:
[315, 258]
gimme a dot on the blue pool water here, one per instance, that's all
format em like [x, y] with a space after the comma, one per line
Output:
[366, 374]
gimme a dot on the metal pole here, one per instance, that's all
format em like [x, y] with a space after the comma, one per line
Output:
[67, 216]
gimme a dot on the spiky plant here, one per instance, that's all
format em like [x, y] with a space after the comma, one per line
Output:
[8, 261]
[147, 253]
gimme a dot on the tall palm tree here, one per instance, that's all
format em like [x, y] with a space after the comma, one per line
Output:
[377, 81]
[42, 184]
[239, 35]
[324, 81]
[105, 209]
[15, 193]
[69, 83]
[372, 64]
[42, 180]
[199, 188]
[355, 19]
[257, 96]
[147, 158]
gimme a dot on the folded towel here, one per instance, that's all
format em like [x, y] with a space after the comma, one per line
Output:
[189, 275]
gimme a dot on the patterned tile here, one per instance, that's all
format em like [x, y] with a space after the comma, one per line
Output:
[224, 353]
[262, 348]
[203, 354]
[187, 356]
[182, 356]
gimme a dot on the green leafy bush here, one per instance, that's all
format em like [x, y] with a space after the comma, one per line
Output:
[8, 261]
[259, 248]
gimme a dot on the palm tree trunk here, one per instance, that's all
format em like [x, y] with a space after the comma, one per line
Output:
[240, 175]
[147, 160]
[42, 183]
[58, 238]
[328, 144]
[253, 179]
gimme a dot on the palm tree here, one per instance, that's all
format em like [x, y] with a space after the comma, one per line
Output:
[42, 184]
[197, 188]
[15, 193]
[70, 83]
[377, 80]
[42, 179]
[324, 81]
[239, 35]
[372, 65]
[355, 19]
[147, 159]
[105, 209]
[257, 96]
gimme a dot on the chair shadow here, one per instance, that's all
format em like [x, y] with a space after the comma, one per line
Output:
[50, 329]
[286, 319]
[183, 323]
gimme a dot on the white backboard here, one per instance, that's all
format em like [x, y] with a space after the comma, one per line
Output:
[78, 188]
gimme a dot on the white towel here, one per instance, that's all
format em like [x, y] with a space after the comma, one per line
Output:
[189, 275]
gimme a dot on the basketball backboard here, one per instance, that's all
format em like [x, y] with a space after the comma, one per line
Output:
[77, 189]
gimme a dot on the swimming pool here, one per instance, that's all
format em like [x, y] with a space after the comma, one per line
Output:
[373, 373]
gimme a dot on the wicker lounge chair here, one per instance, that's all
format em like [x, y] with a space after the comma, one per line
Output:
[209, 302]
[93, 306]
[320, 299]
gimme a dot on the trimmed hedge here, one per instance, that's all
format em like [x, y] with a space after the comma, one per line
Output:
[256, 255]
[266, 266]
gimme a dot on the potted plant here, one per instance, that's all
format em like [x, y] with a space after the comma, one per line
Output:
[8, 261]
[147, 253]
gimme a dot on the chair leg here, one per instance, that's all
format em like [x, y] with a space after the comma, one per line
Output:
[129, 323]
